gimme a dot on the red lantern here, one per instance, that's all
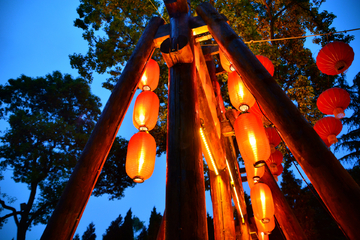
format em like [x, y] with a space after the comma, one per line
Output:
[280, 170]
[334, 101]
[329, 128]
[251, 138]
[253, 174]
[267, 64]
[262, 202]
[140, 157]
[146, 111]
[240, 96]
[265, 228]
[263, 236]
[334, 58]
[274, 138]
[150, 78]
[326, 141]
[227, 66]
[275, 159]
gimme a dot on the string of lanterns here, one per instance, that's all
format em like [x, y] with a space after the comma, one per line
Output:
[141, 152]
[257, 144]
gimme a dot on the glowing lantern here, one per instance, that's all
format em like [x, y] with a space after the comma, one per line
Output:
[326, 141]
[227, 66]
[329, 128]
[275, 159]
[263, 236]
[146, 111]
[267, 64]
[251, 139]
[334, 58]
[262, 202]
[140, 157]
[253, 174]
[334, 101]
[274, 138]
[240, 96]
[150, 78]
[265, 228]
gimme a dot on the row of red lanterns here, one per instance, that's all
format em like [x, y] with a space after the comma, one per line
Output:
[256, 145]
[333, 101]
[141, 152]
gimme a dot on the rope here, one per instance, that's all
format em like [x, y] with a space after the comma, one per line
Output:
[288, 38]
[157, 10]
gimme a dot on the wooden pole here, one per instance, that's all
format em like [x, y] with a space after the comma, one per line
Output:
[64, 220]
[333, 183]
[283, 213]
[185, 187]
[236, 187]
[224, 226]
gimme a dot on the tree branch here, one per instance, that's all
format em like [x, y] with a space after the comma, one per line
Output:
[14, 212]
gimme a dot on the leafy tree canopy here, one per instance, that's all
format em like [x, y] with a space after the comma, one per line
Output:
[50, 120]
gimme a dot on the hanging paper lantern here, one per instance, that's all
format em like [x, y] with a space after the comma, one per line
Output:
[265, 228]
[263, 236]
[326, 141]
[334, 58]
[251, 139]
[266, 63]
[150, 78]
[329, 128]
[274, 138]
[140, 157]
[253, 174]
[146, 111]
[334, 101]
[240, 96]
[227, 66]
[275, 159]
[280, 170]
[262, 202]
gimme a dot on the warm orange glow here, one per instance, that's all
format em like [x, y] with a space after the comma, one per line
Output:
[227, 66]
[280, 170]
[262, 202]
[150, 78]
[328, 128]
[265, 228]
[251, 138]
[207, 153]
[240, 96]
[253, 174]
[146, 110]
[334, 101]
[140, 157]
[263, 236]
[266, 63]
[234, 188]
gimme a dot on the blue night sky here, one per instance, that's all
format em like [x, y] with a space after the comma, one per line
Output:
[36, 38]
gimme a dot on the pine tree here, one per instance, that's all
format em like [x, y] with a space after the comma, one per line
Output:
[113, 231]
[89, 234]
[154, 224]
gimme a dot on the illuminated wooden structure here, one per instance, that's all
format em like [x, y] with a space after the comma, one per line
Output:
[191, 93]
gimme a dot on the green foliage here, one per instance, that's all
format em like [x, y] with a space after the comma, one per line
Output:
[50, 120]
[350, 141]
[114, 230]
[76, 237]
[89, 234]
[154, 224]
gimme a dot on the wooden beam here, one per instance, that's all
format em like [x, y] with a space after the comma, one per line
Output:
[67, 214]
[176, 7]
[283, 213]
[333, 183]
[224, 226]
[185, 187]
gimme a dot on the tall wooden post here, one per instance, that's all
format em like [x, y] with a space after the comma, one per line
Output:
[185, 187]
[283, 213]
[67, 214]
[333, 183]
